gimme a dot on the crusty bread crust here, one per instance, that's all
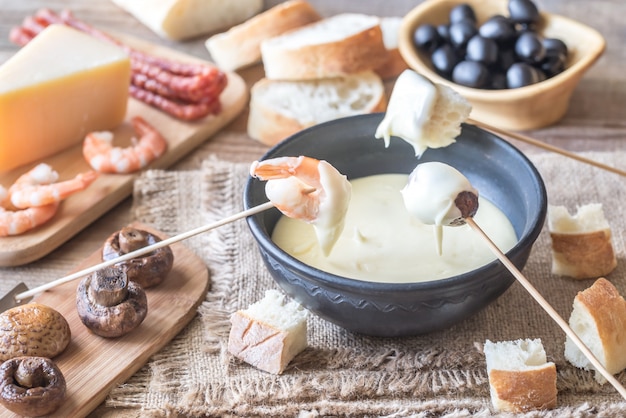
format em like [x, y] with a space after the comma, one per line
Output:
[241, 45]
[583, 255]
[269, 125]
[258, 344]
[363, 50]
[393, 65]
[183, 19]
[581, 243]
[599, 319]
[522, 391]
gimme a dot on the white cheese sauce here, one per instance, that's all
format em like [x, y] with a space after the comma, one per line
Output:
[382, 242]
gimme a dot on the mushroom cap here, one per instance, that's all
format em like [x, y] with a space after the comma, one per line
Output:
[33, 329]
[32, 401]
[148, 270]
[117, 319]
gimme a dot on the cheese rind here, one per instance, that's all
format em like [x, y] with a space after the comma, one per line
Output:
[55, 90]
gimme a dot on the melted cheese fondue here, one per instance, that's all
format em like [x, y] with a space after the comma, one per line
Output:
[382, 242]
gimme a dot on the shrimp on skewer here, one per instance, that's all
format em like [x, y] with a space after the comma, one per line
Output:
[307, 189]
[20, 221]
[102, 156]
[39, 187]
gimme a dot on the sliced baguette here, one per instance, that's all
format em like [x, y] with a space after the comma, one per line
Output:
[520, 377]
[241, 45]
[581, 244]
[269, 333]
[279, 109]
[394, 64]
[599, 319]
[343, 44]
[183, 19]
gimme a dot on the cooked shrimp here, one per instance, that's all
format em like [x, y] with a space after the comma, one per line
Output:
[307, 189]
[38, 187]
[20, 221]
[102, 156]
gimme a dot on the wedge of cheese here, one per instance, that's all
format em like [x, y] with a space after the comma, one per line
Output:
[56, 89]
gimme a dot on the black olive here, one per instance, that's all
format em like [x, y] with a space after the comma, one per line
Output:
[482, 50]
[461, 32]
[462, 11]
[553, 64]
[426, 37]
[529, 47]
[523, 11]
[522, 74]
[498, 28]
[444, 59]
[471, 74]
[444, 32]
[554, 46]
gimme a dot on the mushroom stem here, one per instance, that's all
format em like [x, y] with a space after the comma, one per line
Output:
[131, 239]
[109, 286]
[30, 374]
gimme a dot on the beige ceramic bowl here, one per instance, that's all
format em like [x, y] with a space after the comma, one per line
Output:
[523, 108]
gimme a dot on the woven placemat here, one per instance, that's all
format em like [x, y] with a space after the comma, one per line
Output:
[341, 373]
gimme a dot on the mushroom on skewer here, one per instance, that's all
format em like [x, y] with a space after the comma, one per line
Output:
[109, 304]
[147, 271]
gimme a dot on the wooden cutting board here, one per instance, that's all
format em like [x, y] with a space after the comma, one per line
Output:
[93, 365]
[78, 211]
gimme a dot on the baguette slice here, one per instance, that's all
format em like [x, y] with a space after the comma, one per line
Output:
[182, 19]
[581, 244]
[343, 44]
[241, 45]
[279, 109]
[270, 333]
[394, 64]
[599, 319]
[520, 377]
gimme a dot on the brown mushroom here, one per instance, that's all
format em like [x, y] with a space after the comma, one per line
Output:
[33, 329]
[109, 304]
[31, 386]
[148, 270]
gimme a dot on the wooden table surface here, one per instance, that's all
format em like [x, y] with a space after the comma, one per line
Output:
[596, 119]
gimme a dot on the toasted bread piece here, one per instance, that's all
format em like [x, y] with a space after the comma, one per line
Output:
[343, 44]
[520, 377]
[599, 319]
[581, 244]
[183, 19]
[241, 45]
[394, 64]
[270, 333]
[279, 109]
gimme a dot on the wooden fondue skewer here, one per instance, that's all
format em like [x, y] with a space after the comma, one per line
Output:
[548, 308]
[547, 147]
[144, 250]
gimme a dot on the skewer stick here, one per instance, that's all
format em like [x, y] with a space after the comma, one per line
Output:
[548, 147]
[144, 250]
[549, 309]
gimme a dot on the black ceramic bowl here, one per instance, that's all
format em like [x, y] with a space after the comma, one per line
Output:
[499, 171]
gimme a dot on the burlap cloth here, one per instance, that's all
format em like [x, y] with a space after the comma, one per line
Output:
[340, 373]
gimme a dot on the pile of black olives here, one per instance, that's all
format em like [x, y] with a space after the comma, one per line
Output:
[503, 52]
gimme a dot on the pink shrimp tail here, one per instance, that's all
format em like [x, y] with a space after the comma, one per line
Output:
[22, 221]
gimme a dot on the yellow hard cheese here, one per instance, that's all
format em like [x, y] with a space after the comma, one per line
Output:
[56, 89]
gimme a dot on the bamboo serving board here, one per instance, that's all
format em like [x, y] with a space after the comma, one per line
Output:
[78, 211]
[93, 365]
